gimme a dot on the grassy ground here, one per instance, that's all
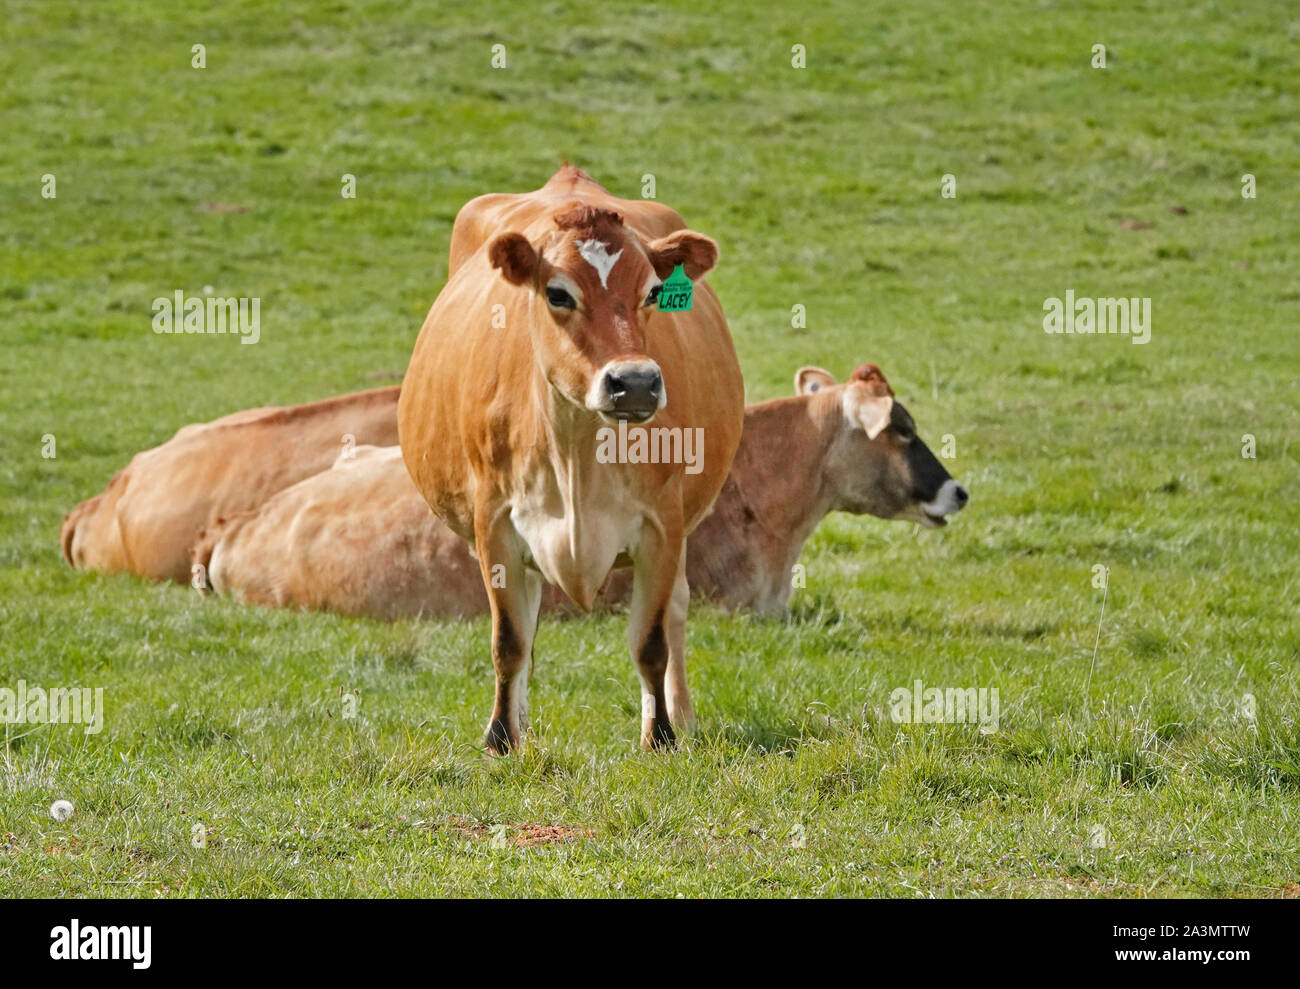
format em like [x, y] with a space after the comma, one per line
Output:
[823, 187]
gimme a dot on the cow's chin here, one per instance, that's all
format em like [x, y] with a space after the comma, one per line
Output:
[613, 417]
[919, 515]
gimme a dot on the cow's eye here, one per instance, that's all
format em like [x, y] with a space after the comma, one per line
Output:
[558, 298]
[653, 297]
[904, 433]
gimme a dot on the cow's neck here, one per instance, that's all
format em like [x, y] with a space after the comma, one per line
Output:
[571, 433]
[568, 454]
[570, 437]
[776, 494]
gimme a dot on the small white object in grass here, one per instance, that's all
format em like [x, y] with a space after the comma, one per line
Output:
[61, 810]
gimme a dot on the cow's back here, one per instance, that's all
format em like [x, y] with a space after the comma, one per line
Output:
[149, 517]
[356, 539]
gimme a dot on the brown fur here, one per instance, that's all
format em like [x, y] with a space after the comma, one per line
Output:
[148, 518]
[400, 561]
[499, 427]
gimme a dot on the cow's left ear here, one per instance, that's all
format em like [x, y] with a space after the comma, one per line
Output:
[514, 257]
[696, 254]
[810, 379]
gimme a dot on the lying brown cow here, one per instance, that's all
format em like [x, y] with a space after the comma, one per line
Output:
[548, 334]
[148, 519]
[360, 539]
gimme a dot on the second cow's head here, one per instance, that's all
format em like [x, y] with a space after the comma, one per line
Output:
[876, 464]
[596, 291]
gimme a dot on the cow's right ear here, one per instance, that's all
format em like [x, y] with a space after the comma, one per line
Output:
[514, 257]
[867, 411]
[810, 379]
[869, 401]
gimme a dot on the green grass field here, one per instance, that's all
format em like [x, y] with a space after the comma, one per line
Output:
[822, 185]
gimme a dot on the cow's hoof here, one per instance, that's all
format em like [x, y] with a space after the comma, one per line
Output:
[659, 737]
[498, 740]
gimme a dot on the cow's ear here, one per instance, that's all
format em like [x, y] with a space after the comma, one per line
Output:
[810, 379]
[696, 254]
[869, 400]
[867, 409]
[515, 258]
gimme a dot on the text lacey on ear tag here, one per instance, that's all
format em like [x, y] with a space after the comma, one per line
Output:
[676, 292]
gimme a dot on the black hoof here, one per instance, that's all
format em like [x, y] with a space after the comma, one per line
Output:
[497, 738]
[663, 737]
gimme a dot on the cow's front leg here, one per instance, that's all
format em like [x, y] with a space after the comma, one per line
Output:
[658, 562]
[680, 712]
[515, 594]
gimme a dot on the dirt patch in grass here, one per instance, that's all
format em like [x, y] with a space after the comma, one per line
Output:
[521, 835]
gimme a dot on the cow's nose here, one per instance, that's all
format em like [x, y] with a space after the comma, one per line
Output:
[634, 390]
[962, 496]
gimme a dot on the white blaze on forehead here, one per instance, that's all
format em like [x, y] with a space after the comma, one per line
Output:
[596, 253]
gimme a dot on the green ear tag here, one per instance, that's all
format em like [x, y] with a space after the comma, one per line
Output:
[676, 292]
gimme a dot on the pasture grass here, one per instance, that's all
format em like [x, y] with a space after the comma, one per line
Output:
[1179, 743]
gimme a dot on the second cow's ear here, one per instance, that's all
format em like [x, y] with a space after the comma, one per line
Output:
[871, 397]
[867, 410]
[514, 257]
[696, 254]
[810, 379]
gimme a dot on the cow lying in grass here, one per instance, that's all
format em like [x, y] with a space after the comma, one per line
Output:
[359, 539]
[147, 520]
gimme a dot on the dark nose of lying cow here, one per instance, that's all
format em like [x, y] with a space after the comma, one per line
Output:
[962, 496]
[634, 392]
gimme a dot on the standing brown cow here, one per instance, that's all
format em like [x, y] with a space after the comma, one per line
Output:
[545, 337]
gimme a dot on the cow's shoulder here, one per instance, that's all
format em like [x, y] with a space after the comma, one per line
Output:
[482, 209]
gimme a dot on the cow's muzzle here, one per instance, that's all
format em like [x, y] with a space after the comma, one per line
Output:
[952, 498]
[632, 391]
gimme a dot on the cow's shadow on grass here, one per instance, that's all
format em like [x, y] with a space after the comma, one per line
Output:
[753, 737]
[825, 615]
